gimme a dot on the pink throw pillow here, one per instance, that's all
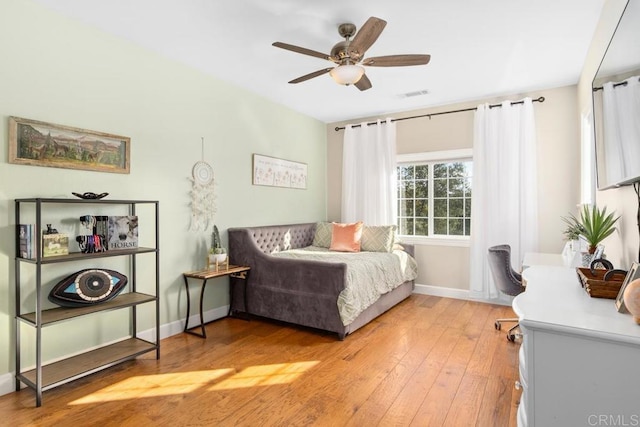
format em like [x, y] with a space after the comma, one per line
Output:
[346, 237]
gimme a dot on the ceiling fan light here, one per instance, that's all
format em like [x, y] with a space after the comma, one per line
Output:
[347, 74]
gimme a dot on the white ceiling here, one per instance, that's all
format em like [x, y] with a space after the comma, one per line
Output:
[478, 49]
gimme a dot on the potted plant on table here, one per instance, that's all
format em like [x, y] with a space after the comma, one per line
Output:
[217, 253]
[595, 226]
[572, 232]
[598, 225]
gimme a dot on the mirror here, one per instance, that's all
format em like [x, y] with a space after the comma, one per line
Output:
[616, 104]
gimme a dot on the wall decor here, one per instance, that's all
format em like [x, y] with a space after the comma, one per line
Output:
[36, 143]
[122, 232]
[274, 172]
[203, 198]
[88, 287]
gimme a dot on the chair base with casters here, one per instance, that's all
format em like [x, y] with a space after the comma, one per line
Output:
[511, 335]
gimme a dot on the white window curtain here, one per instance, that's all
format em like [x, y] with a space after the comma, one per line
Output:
[369, 173]
[504, 201]
[621, 109]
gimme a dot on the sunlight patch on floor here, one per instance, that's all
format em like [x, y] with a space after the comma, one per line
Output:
[144, 386]
[262, 375]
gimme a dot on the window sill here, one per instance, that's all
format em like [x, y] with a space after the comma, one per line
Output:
[462, 241]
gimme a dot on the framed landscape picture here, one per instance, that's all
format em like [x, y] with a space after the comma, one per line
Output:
[36, 143]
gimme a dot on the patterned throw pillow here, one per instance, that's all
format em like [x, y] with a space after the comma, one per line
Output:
[322, 237]
[378, 238]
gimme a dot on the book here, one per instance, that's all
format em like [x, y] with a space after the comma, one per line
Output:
[23, 240]
[55, 245]
[123, 232]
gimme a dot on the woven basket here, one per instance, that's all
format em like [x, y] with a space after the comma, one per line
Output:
[596, 286]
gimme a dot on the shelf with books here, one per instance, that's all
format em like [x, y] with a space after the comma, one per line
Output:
[30, 241]
[74, 256]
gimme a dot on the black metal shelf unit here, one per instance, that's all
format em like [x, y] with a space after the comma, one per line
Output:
[46, 376]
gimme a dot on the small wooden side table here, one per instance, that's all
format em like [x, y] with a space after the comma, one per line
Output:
[236, 271]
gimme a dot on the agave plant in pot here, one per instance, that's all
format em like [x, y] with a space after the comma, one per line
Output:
[597, 225]
[217, 253]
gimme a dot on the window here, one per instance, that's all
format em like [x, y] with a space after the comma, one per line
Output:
[434, 197]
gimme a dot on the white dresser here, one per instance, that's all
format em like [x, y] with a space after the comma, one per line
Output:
[579, 358]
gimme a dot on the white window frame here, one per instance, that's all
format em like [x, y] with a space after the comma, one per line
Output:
[465, 154]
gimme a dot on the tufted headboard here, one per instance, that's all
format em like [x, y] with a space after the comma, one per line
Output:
[273, 238]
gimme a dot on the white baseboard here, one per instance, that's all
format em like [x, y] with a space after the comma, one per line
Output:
[440, 291]
[174, 328]
[7, 381]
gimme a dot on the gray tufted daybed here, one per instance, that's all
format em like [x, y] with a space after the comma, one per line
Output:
[298, 291]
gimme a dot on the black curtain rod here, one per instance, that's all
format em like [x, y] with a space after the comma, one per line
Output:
[595, 89]
[540, 99]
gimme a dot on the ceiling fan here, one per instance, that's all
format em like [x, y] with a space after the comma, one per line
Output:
[349, 55]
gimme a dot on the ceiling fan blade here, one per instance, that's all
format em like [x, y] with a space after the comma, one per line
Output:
[397, 60]
[367, 35]
[311, 75]
[303, 51]
[364, 83]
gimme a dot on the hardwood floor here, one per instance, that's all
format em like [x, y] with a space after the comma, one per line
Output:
[427, 362]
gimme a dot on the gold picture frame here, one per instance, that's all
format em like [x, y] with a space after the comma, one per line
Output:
[632, 274]
[36, 143]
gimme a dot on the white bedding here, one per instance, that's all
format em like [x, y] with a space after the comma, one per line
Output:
[369, 275]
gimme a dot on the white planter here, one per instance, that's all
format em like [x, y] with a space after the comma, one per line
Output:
[220, 258]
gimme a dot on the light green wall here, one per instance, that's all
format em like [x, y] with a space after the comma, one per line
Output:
[57, 70]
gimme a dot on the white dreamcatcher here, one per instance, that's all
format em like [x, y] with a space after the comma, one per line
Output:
[203, 203]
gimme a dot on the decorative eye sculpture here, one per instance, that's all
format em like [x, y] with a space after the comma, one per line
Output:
[88, 287]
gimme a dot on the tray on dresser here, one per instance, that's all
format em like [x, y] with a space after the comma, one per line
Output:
[596, 286]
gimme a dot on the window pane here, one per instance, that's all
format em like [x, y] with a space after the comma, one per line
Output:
[405, 172]
[457, 169]
[467, 208]
[467, 227]
[422, 208]
[422, 227]
[456, 187]
[439, 226]
[455, 227]
[406, 226]
[439, 188]
[440, 170]
[422, 172]
[407, 190]
[406, 207]
[467, 187]
[440, 207]
[422, 189]
[456, 208]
